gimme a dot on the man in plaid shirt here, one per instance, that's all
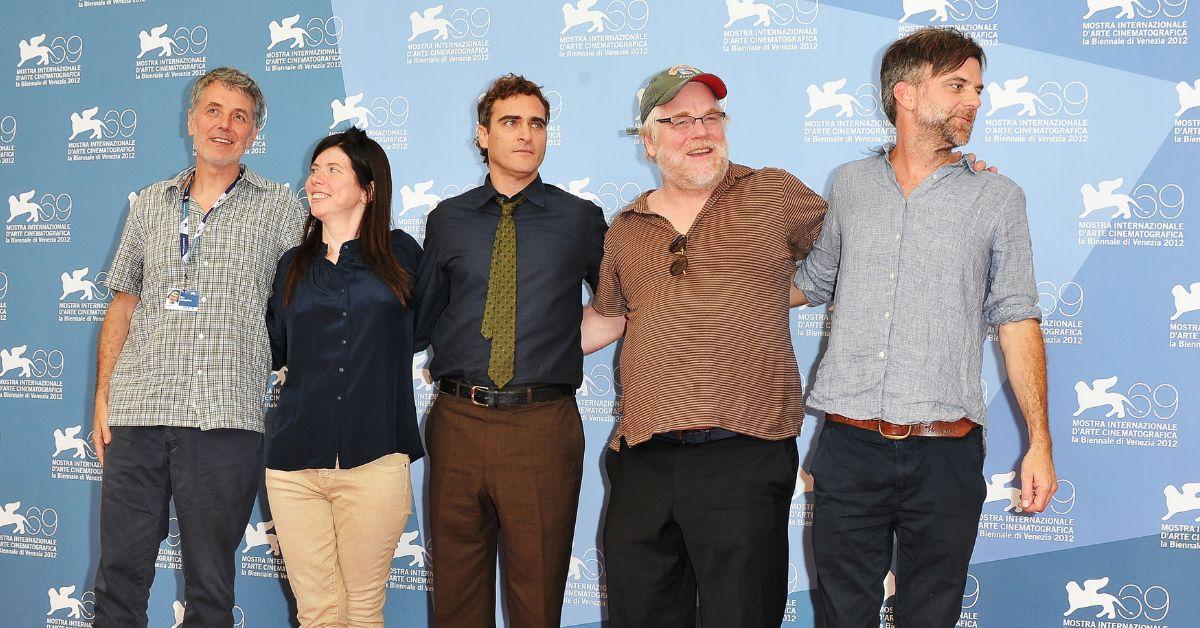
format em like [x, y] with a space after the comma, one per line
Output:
[183, 362]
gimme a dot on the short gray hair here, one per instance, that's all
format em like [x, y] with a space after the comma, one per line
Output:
[233, 78]
[649, 127]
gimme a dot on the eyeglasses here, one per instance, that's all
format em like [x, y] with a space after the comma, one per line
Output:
[683, 123]
[679, 249]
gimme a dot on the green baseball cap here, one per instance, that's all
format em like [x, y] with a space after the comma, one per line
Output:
[666, 84]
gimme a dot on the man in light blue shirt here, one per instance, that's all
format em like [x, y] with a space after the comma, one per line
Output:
[920, 255]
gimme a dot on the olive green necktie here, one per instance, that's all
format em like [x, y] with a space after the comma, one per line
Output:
[500, 308]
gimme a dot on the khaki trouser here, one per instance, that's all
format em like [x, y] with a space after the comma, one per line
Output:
[337, 530]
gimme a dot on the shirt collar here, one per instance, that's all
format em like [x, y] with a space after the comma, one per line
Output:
[882, 153]
[248, 175]
[253, 178]
[732, 174]
[352, 252]
[534, 193]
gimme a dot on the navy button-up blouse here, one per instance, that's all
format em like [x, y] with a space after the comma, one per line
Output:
[348, 346]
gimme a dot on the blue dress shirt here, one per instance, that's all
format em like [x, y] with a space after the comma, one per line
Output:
[915, 282]
[348, 346]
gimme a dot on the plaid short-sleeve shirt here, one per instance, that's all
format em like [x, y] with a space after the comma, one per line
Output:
[206, 369]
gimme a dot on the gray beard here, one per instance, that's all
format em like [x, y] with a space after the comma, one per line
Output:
[219, 164]
[945, 131]
[679, 177]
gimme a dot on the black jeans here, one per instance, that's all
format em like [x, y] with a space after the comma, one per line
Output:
[214, 477]
[927, 492]
[710, 518]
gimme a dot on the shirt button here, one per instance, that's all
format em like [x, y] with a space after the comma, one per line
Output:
[344, 314]
[341, 370]
[204, 299]
[883, 354]
[339, 397]
[343, 341]
[200, 372]
[892, 276]
[897, 236]
[205, 263]
[887, 314]
[341, 289]
[200, 336]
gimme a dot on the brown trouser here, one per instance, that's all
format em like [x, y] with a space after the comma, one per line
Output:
[514, 472]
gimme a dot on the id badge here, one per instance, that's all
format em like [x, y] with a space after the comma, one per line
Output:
[182, 300]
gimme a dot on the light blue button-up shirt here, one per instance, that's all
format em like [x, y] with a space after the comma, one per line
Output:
[915, 283]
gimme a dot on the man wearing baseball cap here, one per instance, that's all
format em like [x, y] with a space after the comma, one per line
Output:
[703, 462]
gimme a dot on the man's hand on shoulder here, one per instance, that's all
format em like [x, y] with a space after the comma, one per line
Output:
[978, 165]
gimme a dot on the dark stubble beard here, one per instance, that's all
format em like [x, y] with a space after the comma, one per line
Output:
[942, 126]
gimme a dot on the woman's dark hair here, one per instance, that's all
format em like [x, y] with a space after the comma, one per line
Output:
[371, 166]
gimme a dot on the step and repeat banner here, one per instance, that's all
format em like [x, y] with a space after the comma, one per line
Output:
[1092, 106]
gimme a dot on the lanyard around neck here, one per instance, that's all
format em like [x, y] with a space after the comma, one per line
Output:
[188, 243]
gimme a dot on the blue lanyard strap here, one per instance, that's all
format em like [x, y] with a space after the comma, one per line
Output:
[186, 240]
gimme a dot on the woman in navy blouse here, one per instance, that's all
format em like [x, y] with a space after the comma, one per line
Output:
[344, 432]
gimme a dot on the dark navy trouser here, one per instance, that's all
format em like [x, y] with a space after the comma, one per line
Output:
[925, 492]
[214, 477]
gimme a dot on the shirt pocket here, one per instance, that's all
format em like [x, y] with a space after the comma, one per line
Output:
[161, 267]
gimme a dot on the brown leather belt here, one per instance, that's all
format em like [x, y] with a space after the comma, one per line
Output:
[895, 431]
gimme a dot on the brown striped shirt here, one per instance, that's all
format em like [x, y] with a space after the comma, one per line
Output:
[712, 347]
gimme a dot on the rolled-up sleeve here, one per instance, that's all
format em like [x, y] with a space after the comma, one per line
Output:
[816, 276]
[125, 274]
[1012, 289]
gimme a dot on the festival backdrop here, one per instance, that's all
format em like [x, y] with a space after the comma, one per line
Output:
[1092, 106]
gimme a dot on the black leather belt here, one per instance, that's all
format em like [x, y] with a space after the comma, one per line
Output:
[695, 437]
[514, 396]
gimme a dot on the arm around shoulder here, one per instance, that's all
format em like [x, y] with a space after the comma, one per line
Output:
[277, 328]
[598, 331]
[431, 289]
[407, 251]
[816, 274]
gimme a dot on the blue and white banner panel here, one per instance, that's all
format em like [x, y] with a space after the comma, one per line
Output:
[1092, 106]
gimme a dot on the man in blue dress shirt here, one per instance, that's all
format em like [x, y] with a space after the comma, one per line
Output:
[498, 299]
[925, 254]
